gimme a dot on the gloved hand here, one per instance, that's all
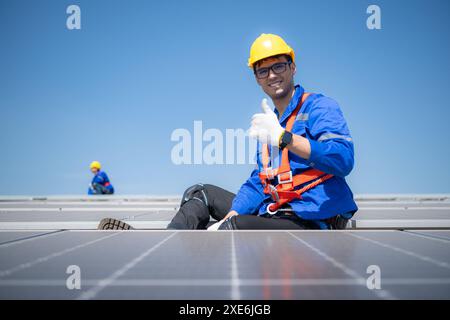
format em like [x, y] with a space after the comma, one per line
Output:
[265, 126]
[215, 226]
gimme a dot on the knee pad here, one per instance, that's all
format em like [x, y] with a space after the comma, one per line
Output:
[196, 192]
[229, 224]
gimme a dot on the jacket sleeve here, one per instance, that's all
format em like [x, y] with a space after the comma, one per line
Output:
[105, 177]
[98, 178]
[250, 196]
[331, 144]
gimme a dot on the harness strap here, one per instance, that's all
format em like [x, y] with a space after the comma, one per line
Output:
[285, 166]
[284, 192]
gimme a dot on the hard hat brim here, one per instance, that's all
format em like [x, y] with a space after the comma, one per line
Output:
[251, 62]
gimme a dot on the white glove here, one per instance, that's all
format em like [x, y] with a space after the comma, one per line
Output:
[215, 226]
[265, 126]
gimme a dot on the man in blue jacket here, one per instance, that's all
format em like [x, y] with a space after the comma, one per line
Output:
[304, 153]
[319, 139]
[100, 182]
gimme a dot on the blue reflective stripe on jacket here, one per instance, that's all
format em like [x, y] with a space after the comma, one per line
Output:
[321, 121]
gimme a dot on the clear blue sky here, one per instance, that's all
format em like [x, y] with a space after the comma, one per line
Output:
[116, 89]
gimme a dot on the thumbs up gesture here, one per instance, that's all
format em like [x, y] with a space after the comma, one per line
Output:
[265, 126]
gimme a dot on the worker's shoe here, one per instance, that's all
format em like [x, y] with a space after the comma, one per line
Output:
[113, 224]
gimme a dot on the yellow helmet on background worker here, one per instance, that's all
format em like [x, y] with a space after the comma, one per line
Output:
[96, 164]
[268, 45]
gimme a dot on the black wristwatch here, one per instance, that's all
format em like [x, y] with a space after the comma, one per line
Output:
[286, 138]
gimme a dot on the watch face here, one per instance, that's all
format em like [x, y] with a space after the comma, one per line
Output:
[286, 139]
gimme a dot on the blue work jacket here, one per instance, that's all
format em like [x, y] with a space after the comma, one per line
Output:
[321, 121]
[101, 178]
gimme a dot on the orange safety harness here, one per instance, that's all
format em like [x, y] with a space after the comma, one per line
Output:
[284, 191]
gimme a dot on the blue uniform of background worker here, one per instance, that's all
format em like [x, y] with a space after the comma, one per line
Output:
[317, 140]
[100, 182]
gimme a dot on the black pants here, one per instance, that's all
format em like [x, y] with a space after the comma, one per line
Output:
[195, 214]
[100, 189]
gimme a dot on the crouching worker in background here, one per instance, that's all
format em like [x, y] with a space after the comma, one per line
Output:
[304, 153]
[100, 182]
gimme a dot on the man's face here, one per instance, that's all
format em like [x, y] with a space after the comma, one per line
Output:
[276, 85]
[94, 170]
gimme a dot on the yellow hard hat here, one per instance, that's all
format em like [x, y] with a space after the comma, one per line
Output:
[96, 164]
[268, 45]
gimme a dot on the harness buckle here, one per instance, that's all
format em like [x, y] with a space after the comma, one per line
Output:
[283, 181]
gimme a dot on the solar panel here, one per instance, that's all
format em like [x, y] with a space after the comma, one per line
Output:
[225, 265]
[159, 264]
[394, 212]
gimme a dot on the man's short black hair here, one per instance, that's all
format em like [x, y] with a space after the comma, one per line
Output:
[288, 57]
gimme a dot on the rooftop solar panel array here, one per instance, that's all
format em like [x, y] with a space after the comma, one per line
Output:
[41, 238]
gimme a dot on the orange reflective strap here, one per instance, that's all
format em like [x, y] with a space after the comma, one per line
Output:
[284, 192]
[307, 176]
[285, 166]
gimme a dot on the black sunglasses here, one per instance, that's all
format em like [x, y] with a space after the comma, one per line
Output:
[277, 68]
